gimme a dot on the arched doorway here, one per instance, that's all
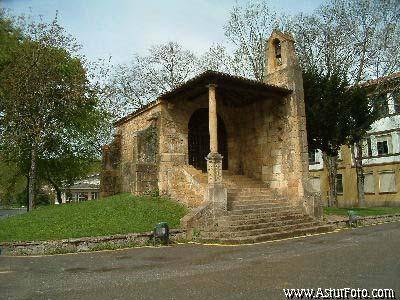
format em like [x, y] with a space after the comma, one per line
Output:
[199, 140]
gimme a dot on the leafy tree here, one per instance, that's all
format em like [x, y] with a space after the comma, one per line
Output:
[12, 182]
[361, 116]
[326, 113]
[48, 108]
[63, 171]
[358, 37]
[9, 38]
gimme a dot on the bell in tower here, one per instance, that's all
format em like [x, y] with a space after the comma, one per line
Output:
[280, 53]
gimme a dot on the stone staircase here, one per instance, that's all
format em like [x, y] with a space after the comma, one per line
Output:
[257, 214]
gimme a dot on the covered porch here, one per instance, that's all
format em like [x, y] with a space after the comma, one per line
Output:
[222, 122]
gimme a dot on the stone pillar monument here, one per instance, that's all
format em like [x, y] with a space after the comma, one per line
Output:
[216, 192]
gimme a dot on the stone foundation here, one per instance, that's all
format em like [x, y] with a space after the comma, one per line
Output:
[85, 244]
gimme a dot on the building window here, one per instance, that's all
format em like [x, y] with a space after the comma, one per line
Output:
[339, 183]
[369, 183]
[339, 155]
[312, 157]
[95, 196]
[82, 197]
[382, 148]
[369, 147]
[380, 104]
[396, 101]
[387, 182]
[383, 144]
[315, 184]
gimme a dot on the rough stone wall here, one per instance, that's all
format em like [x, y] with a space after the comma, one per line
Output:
[259, 141]
[140, 152]
[146, 166]
[110, 180]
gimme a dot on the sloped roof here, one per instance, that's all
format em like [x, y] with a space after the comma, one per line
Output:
[241, 87]
[380, 80]
[214, 77]
[91, 182]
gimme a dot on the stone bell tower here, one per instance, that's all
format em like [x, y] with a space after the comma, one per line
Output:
[283, 70]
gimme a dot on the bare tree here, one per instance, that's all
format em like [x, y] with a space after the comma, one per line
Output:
[359, 37]
[247, 31]
[218, 58]
[165, 67]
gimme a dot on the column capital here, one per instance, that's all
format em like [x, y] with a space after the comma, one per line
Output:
[211, 85]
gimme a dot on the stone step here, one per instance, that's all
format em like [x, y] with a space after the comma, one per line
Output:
[237, 176]
[230, 186]
[248, 191]
[251, 206]
[275, 235]
[232, 233]
[262, 210]
[272, 212]
[271, 218]
[267, 224]
[256, 198]
[242, 179]
[245, 180]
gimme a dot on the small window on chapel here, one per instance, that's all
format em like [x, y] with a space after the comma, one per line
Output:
[278, 52]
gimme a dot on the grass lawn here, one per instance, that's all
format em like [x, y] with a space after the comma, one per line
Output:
[370, 211]
[117, 214]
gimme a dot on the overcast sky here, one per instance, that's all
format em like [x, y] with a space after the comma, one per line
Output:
[119, 28]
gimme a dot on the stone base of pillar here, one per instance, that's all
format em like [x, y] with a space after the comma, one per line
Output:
[214, 168]
[217, 195]
[312, 204]
[216, 191]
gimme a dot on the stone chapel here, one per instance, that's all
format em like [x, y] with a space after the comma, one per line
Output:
[233, 150]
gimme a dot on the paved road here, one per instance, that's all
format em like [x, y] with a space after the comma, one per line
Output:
[359, 258]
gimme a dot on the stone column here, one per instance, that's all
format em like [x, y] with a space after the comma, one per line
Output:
[216, 192]
[212, 118]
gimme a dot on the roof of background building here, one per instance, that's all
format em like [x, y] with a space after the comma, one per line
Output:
[92, 182]
[380, 80]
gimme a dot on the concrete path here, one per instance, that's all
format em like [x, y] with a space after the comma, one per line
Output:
[367, 257]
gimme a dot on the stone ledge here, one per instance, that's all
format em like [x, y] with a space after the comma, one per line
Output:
[369, 220]
[84, 244]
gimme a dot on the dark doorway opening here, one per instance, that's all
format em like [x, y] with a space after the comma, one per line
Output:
[199, 140]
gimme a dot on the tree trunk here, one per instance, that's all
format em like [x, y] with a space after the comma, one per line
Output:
[360, 175]
[59, 199]
[32, 179]
[331, 165]
[57, 189]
